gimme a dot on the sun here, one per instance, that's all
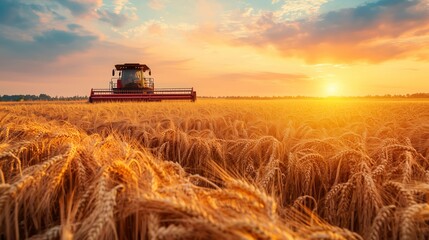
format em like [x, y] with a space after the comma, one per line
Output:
[332, 89]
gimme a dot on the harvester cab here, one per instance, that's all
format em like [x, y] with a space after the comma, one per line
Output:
[131, 76]
[133, 82]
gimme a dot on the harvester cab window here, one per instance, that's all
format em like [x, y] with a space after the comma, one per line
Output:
[131, 78]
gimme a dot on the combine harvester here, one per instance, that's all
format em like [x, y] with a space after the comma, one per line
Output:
[132, 85]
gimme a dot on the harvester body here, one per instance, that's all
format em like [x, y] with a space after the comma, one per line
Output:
[133, 84]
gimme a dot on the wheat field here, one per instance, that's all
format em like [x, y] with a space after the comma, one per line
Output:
[215, 169]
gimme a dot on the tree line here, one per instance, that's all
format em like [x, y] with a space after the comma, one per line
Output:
[40, 97]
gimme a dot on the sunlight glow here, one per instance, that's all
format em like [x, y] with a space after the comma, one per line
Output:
[332, 89]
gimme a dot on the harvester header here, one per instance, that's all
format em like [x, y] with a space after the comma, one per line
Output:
[131, 84]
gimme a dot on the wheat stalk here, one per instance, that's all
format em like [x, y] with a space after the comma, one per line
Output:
[408, 228]
[106, 207]
[382, 218]
[175, 232]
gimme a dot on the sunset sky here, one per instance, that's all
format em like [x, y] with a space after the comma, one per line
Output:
[224, 47]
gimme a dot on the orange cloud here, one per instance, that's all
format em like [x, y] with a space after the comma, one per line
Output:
[375, 32]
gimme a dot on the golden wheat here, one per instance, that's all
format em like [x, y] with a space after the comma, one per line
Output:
[215, 169]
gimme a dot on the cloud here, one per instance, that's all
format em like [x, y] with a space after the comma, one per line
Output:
[46, 46]
[115, 19]
[119, 5]
[79, 8]
[118, 13]
[373, 32]
[73, 26]
[34, 31]
[386, 18]
[18, 14]
[298, 9]
[149, 28]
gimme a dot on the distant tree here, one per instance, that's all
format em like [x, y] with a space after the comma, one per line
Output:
[44, 97]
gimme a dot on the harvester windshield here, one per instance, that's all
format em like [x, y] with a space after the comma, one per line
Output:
[132, 78]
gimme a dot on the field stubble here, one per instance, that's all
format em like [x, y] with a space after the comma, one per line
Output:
[290, 169]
